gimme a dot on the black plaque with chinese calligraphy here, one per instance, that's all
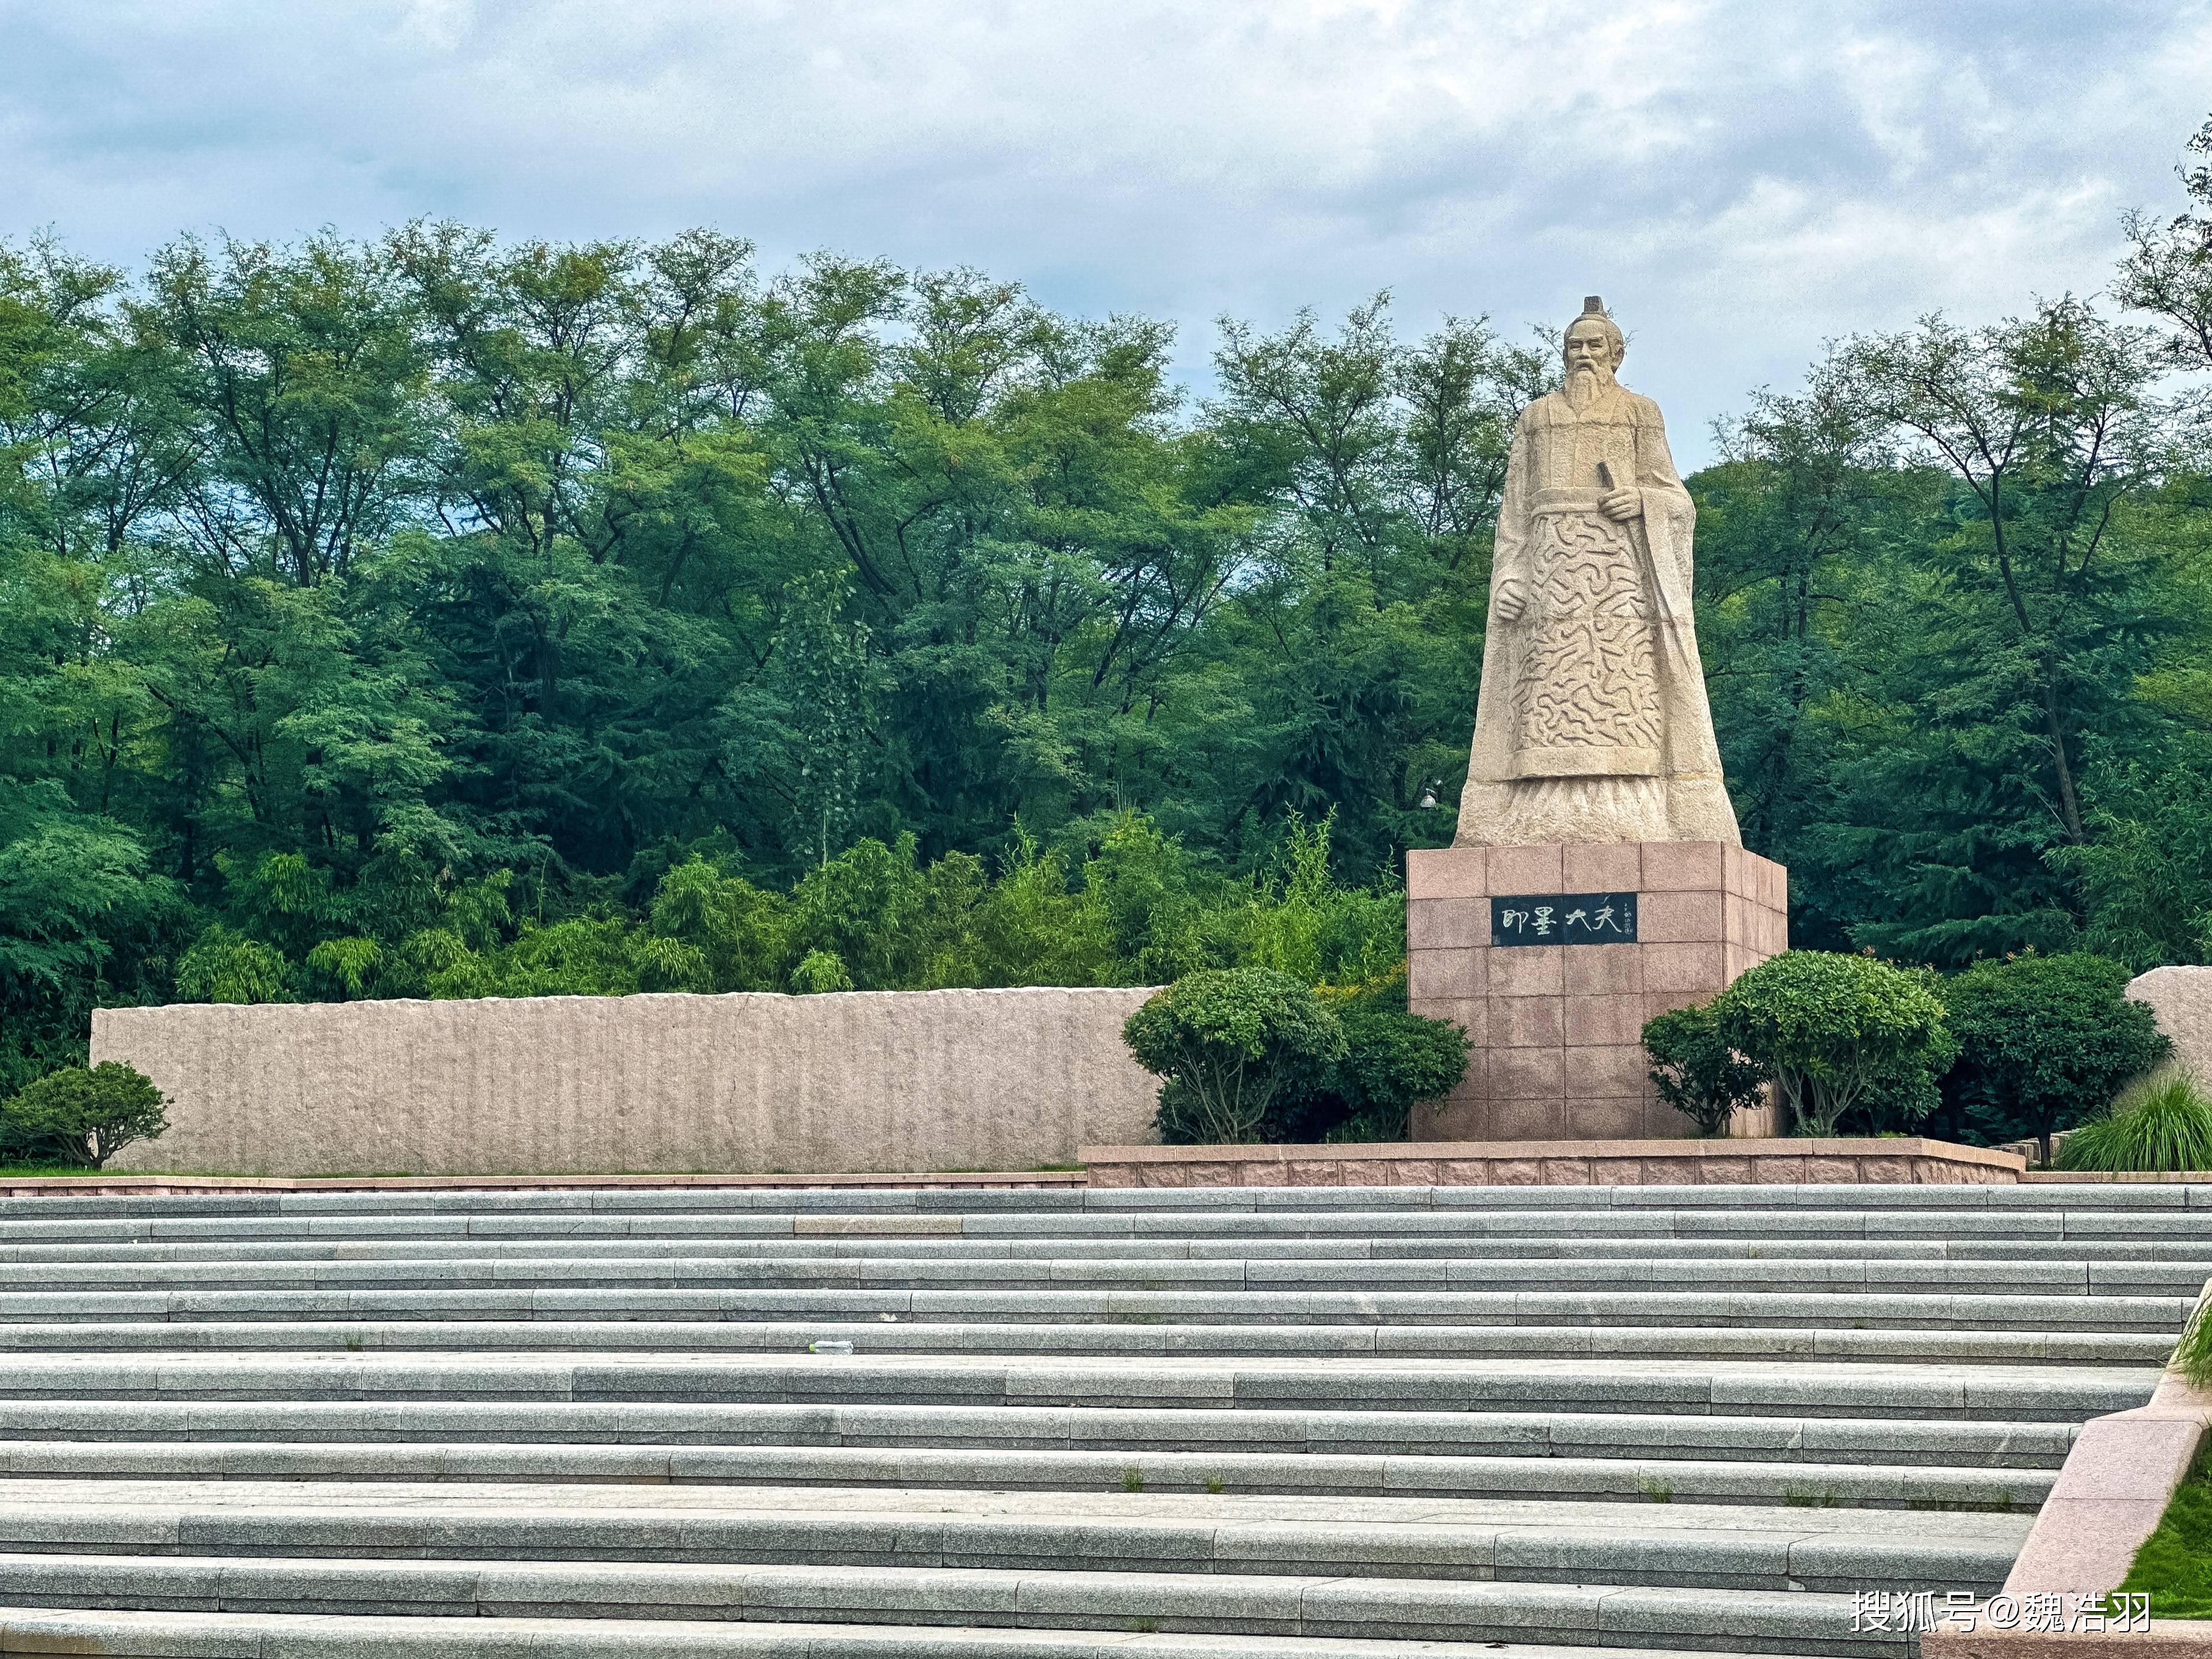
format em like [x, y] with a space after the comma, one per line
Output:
[1564, 919]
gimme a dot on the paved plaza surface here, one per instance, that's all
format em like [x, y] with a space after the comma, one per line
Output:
[1226, 1422]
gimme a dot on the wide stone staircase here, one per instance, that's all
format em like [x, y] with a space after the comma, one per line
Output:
[1051, 1423]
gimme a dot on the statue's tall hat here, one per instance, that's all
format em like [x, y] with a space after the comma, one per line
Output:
[1594, 306]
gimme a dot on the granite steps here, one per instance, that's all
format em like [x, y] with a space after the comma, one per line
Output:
[1278, 1421]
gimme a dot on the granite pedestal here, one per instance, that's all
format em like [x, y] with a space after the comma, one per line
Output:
[1554, 1029]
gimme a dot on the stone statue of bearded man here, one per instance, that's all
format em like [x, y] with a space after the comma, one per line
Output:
[1592, 724]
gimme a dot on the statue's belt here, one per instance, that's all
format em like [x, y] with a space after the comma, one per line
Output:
[1592, 760]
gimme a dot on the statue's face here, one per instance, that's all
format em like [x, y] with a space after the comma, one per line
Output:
[1589, 346]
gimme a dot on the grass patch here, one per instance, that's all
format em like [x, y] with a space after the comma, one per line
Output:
[2174, 1565]
[7, 1170]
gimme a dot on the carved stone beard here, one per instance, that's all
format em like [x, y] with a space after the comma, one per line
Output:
[1586, 382]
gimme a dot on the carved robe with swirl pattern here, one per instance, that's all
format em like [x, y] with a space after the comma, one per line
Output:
[1592, 724]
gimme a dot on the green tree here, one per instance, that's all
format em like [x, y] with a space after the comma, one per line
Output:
[1392, 1060]
[2043, 1043]
[1840, 1034]
[2034, 612]
[303, 370]
[83, 1116]
[2167, 269]
[1225, 1042]
[1697, 1072]
[400, 619]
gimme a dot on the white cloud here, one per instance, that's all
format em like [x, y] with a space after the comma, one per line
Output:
[441, 24]
[1740, 178]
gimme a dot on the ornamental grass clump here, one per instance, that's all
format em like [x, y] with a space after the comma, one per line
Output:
[2162, 1123]
[2192, 1356]
[1225, 1042]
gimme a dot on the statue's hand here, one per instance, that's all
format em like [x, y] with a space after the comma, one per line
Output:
[1510, 601]
[1621, 505]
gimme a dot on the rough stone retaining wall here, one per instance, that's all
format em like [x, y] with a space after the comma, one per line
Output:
[227, 1186]
[853, 1081]
[2182, 1000]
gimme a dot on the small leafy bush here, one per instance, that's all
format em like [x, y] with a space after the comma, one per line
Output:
[1697, 1072]
[2045, 1042]
[2162, 1123]
[1225, 1042]
[82, 1117]
[1391, 1059]
[820, 970]
[1841, 1035]
[223, 965]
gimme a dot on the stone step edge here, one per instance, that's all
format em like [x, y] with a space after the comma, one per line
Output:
[1502, 1553]
[1054, 1193]
[187, 1186]
[1318, 1604]
[893, 1425]
[1773, 1309]
[324, 1636]
[1277, 1277]
[1741, 1482]
[1841, 1344]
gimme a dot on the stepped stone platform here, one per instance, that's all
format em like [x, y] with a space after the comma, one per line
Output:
[1230, 1423]
[54, 1186]
[1907, 1159]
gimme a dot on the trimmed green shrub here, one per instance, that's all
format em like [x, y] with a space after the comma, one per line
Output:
[1696, 1072]
[82, 1117]
[1841, 1035]
[1226, 1042]
[2044, 1041]
[1391, 1059]
[2162, 1123]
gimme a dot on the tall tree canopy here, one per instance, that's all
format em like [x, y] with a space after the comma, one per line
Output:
[443, 616]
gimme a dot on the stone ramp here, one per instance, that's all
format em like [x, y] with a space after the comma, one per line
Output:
[1251, 1422]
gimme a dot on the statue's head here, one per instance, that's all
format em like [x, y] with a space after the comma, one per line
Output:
[1593, 344]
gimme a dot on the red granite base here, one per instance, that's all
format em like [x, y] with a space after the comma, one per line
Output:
[1554, 1031]
[1904, 1160]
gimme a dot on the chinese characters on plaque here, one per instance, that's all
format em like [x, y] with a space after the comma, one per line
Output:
[1564, 919]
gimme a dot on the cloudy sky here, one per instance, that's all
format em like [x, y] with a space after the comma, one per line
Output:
[1740, 178]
